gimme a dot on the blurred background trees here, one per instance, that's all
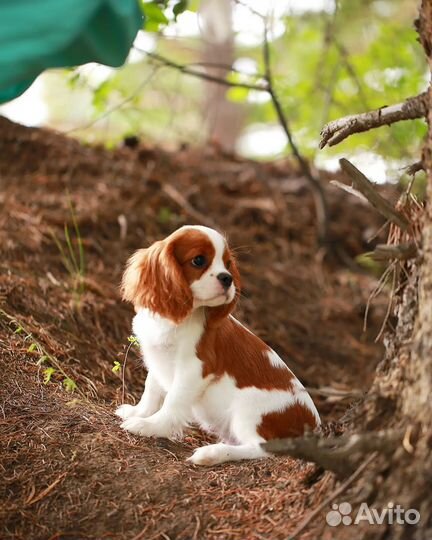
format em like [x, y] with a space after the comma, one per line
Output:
[328, 58]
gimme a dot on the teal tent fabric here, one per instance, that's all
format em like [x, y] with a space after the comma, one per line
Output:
[40, 34]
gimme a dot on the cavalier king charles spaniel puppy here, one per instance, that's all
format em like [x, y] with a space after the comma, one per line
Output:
[203, 365]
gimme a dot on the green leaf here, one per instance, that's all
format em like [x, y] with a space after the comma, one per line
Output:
[237, 95]
[133, 340]
[179, 8]
[117, 367]
[69, 384]
[48, 373]
[42, 359]
[193, 5]
[151, 26]
[366, 260]
[153, 13]
[101, 96]
[32, 347]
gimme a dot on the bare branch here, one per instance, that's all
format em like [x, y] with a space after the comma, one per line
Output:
[338, 130]
[266, 86]
[184, 68]
[401, 252]
[349, 189]
[415, 168]
[117, 107]
[365, 186]
[335, 393]
[336, 454]
[317, 189]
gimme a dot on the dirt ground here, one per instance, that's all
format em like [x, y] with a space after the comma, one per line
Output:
[68, 471]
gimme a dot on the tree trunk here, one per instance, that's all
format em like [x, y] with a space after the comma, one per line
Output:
[401, 395]
[224, 119]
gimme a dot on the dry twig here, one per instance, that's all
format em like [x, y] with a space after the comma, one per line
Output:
[365, 186]
[415, 167]
[335, 454]
[266, 86]
[335, 393]
[31, 500]
[401, 252]
[187, 70]
[317, 189]
[338, 130]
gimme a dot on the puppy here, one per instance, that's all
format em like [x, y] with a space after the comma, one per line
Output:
[203, 365]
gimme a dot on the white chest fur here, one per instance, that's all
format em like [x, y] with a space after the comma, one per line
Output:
[164, 343]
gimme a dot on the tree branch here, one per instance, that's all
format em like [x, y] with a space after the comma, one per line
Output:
[338, 130]
[321, 207]
[400, 252]
[184, 68]
[415, 168]
[366, 188]
[267, 86]
[336, 454]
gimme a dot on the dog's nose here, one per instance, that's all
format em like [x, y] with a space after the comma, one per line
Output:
[226, 279]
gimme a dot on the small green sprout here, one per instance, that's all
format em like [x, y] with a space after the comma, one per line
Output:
[73, 258]
[164, 215]
[42, 359]
[133, 340]
[48, 373]
[69, 384]
[116, 367]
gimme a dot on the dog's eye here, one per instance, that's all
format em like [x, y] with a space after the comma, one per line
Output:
[228, 265]
[199, 261]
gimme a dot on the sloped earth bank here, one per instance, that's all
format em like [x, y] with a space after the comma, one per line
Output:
[67, 469]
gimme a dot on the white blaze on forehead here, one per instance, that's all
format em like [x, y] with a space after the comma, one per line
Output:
[219, 244]
[207, 289]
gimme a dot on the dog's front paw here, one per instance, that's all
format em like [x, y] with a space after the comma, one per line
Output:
[127, 411]
[145, 427]
[210, 455]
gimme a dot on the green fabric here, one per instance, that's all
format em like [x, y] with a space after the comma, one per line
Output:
[40, 34]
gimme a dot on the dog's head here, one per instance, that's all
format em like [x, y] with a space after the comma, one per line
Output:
[191, 268]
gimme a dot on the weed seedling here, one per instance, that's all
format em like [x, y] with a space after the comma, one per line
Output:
[73, 258]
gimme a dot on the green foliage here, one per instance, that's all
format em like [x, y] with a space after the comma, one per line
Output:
[116, 367]
[42, 359]
[158, 13]
[324, 66]
[339, 74]
[69, 385]
[47, 374]
[164, 215]
[179, 8]
[133, 340]
[101, 96]
[36, 348]
[73, 260]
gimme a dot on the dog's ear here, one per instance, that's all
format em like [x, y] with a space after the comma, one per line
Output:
[215, 315]
[153, 279]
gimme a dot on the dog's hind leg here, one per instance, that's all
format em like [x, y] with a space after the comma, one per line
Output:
[221, 452]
